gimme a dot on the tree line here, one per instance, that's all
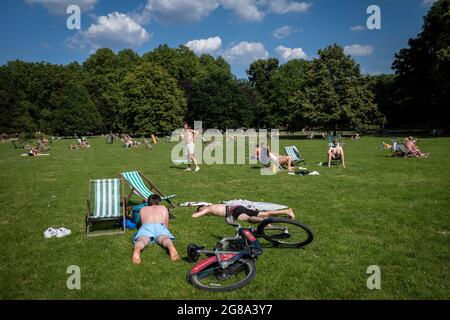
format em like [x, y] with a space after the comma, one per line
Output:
[156, 92]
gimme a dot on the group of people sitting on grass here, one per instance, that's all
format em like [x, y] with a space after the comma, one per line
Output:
[129, 142]
[155, 223]
[410, 148]
[82, 143]
[265, 155]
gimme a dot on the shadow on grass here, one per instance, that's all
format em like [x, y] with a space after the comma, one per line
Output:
[177, 167]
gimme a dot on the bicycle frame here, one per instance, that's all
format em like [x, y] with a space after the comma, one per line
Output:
[226, 258]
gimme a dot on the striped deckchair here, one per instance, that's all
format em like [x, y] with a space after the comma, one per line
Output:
[293, 152]
[144, 188]
[108, 205]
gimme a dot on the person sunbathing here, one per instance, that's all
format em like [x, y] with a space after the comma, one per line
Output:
[240, 213]
[263, 154]
[155, 224]
[335, 152]
[411, 145]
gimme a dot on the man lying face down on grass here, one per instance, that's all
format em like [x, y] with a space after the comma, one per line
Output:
[155, 223]
[240, 213]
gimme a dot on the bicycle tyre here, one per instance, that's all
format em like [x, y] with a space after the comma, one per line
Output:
[249, 263]
[266, 226]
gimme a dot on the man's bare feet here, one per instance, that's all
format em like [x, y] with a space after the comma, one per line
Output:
[136, 257]
[173, 254]
[291, 214]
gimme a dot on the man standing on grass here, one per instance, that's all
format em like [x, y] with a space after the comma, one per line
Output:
[188, 136]
[155, 223]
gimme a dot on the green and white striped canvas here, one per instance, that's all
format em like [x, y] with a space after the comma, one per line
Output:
[292, 152]
[135, 180]
[107, 198]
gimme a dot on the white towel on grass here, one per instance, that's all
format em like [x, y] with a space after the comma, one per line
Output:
[254, 205]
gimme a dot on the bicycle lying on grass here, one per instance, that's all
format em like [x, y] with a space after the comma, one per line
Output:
[231, 264]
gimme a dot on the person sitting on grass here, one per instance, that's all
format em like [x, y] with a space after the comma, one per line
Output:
[240, 213]
[411, 145]
[334, 152]
[155, 223]
[263, 153]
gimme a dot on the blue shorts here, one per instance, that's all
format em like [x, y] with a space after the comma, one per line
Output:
[152, 231]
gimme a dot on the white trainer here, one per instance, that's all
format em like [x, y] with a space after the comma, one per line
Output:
[50, 233]
[197, 169]
[62, 232]
[188, 169]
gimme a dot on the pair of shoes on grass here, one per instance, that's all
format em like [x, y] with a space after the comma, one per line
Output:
[58, 233]
[196, 169]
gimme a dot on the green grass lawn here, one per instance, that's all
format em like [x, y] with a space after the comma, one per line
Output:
[390, 212]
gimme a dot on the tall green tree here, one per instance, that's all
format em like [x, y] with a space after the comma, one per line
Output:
[334, 95]
[105, 71]
[151, 101]
[218, 99]
[423, 71]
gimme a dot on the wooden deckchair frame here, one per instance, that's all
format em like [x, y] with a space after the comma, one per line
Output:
[90, 220]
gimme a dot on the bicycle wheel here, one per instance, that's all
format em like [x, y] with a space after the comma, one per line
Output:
[286, 232]
[234, 277]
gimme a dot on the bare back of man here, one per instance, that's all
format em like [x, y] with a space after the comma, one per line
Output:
[155, 223]
[155, 214]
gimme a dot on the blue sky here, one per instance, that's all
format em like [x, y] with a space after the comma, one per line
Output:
[239, 30]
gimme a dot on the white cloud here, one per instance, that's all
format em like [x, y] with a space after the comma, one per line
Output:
[245, 52]
[202, 46]
[358, 50]
[60, 6]
[426, 3]
[358, 28]
[283, 32]
[247, 10]
[291, 53]
[115, 31]
[284, 6]
[179, 11]
[173, 11]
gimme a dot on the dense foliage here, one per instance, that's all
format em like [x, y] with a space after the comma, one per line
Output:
[155, 92]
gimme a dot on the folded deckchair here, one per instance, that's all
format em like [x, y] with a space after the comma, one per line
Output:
[293, 152]
[108, 205]
[135, 179]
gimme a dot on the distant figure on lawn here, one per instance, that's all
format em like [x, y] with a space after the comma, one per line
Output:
[411, 145]
[240, 213]
[155, 223]
[188, 136]
[335, 152]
